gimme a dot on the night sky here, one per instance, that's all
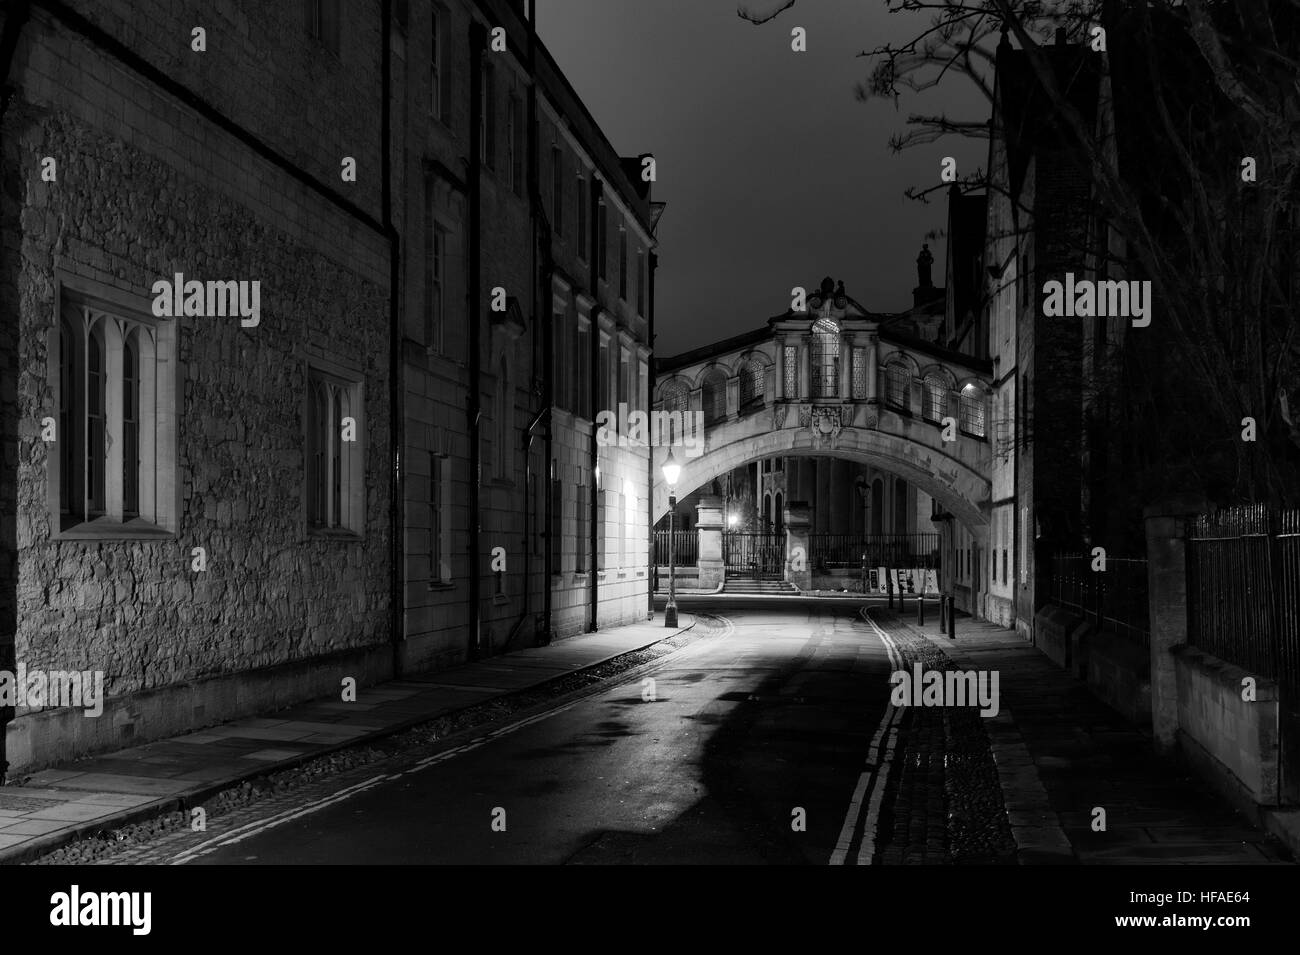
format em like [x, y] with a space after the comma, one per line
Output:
[774, 173]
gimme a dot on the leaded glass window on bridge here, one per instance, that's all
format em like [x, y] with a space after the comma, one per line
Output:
[860, 373]
[825, 358]
[791, 365]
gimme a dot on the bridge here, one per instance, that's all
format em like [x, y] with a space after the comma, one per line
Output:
[834, 380]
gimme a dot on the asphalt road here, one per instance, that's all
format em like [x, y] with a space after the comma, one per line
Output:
[748, 734]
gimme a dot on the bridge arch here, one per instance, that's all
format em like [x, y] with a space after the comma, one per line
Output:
[960, 489]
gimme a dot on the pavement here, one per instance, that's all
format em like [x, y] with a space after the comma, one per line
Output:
[55, 806]
[1062, 754]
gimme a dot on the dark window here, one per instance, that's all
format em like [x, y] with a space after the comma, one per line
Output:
[622, 264]
[714, 395]
[435, 272]
[131, 425]
[516, 145]
[935, 398]
[96, 448]
[640, 282]
[335, 491]
[557, 190]
[437, 518]
[581, 218]
[972, 411]
[825, 358]
[604, 377]
[602, 235]
[583, 363]
[751, 386]
[581, 524]
[896, 382]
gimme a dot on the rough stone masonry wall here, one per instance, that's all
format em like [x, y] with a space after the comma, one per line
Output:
[131, 205]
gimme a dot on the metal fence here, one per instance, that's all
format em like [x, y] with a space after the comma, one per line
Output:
[688, 548]
[754, 555]
[1243, 590]
[1113, 599]
[833, 551]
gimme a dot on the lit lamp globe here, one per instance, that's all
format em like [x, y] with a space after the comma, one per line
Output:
[672, 471]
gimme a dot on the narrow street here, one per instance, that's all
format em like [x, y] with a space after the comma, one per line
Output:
[770, 742]
[767, 739]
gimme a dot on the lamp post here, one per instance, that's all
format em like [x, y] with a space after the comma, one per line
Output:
[672, 471]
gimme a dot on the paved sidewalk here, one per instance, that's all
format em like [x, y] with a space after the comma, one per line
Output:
[1061, 753]
[56, 806]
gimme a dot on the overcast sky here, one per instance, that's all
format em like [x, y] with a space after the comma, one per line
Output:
[773, 172]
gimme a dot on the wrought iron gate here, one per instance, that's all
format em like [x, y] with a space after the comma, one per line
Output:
[756, 556]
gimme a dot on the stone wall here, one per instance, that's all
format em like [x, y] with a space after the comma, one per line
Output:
[1231, 741]
[147, 187]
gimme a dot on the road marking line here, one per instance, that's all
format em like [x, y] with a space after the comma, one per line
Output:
[253, 828]
[886, 734]
[240, 833]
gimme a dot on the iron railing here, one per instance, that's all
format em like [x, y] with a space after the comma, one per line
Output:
[754, 555]
[1113, 599]
[688, 548]
[1243, 590]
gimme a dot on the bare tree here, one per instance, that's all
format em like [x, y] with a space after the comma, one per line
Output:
[1206, 93]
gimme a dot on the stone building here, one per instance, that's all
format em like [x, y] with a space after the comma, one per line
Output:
[565, 244]
[1040, 221]
[386, 462]
[196, 497]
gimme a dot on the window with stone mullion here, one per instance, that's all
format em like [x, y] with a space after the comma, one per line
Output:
[107, 419]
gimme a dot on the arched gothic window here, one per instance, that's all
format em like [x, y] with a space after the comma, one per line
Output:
[825, 358]
[972, 410]
[934, 398]
[714, 394]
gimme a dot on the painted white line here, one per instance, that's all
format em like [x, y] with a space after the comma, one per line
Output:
[254, 828]
[243, 832]
[886, 734]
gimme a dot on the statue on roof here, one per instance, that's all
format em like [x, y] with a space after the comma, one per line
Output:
[923, 263]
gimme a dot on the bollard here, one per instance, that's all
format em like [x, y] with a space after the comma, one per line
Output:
[943, 613]
[952, 617]
[920, 610]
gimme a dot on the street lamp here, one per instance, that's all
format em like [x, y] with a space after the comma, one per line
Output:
[672, 471]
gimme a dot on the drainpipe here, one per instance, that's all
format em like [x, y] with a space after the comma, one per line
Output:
[539, 229]
[593, 212]
[396, 423]
[14, 24]
[651, 380]
[473, 409]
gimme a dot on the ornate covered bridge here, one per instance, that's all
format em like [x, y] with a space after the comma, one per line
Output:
[834, 380]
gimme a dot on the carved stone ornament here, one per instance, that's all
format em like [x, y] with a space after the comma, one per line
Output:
[778, 415]
[824, 422]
